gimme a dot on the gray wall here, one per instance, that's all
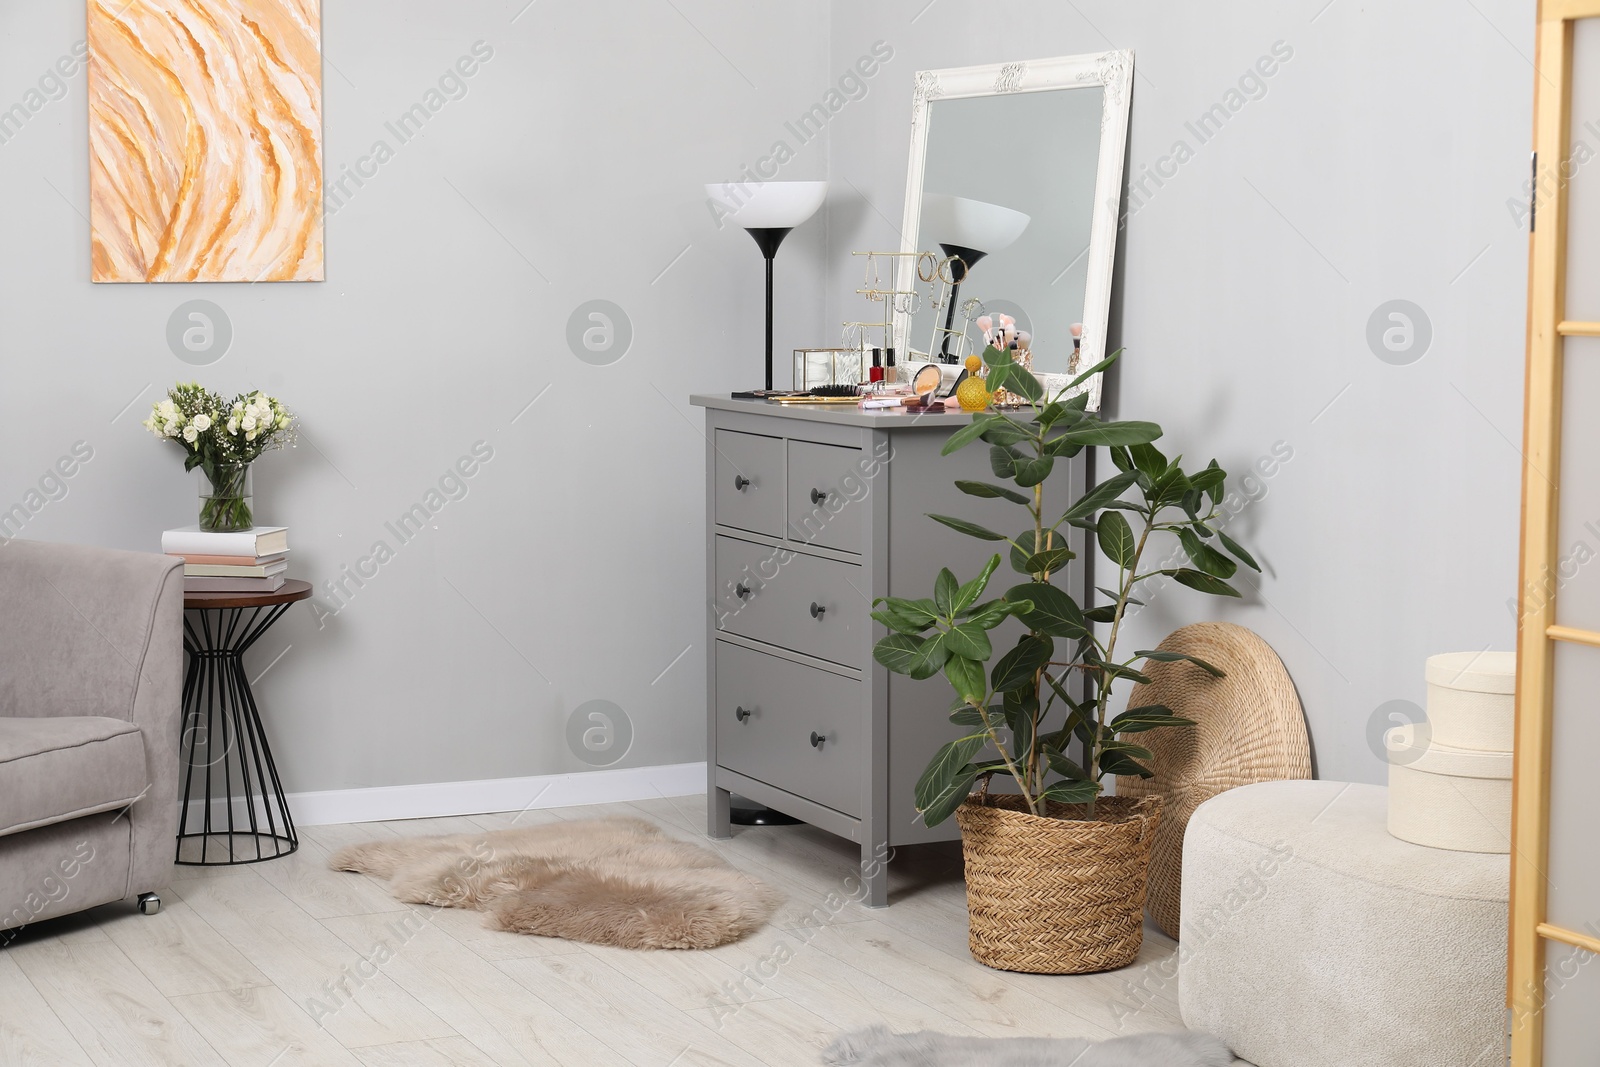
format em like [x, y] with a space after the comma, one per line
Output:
[570, 171]
[1376, 166]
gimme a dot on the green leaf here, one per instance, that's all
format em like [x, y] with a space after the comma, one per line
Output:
[1102, 495]
[944, 592]
[987, 491]
[1061, 446]
[1054, 612]
[901, 623]
[1079, 792]
[971, 591]
[1022, 382]
[1120, 457]
[1112, 594]
[1017, 667]
[967, 434]
[1112, 671]
[992, 613]
[1021, 721]
[1003, 460]
[1111, 433]
[1096, 369]
[1116, 538]
[923, 610]
[1148, 717]
[1148, 459]
[1002, 430]
[966, 673]
[945, 769]
[1047, 552]
[955, 792]
[1122, 763]
[1209, 481]
[1064, 766]
[971, 529]
[1161, 656]
[1203, 582]
[1103, 613]
[899, 652]
[1233, 546]
[1205, 557]
[1030, 471]
[996, 357]
[964, 714]
[1213, 491]
[931, 656]
[969, 640]
[1111, 744]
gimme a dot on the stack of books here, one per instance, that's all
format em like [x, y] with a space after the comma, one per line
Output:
[246, 561]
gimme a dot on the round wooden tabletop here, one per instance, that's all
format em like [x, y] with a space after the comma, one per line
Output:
[290, 591]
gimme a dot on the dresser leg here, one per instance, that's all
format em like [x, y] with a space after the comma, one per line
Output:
[717, 813]
[875, 874]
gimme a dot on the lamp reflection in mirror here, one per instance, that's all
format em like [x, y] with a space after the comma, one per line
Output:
[967, 230]
[768, 212]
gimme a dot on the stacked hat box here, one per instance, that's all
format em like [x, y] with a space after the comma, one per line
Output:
[1450, 777]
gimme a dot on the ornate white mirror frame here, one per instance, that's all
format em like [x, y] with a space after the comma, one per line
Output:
[1111, 70]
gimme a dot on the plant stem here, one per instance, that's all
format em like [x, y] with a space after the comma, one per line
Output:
[1128, 576]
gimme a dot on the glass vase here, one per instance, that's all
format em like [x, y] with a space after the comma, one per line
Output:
[226, 499]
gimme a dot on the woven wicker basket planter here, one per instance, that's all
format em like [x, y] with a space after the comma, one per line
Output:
[1056, 895]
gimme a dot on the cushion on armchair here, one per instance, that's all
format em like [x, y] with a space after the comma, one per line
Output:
[62, 767]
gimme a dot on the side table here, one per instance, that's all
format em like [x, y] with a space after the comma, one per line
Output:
[239, 802]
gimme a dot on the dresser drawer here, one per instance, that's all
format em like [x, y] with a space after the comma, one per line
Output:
[748, 491]
[800, 602]
[792, 726]
[827, 494]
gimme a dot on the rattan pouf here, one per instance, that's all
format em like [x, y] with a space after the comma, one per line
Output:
[1314, 938]
[1250, 729]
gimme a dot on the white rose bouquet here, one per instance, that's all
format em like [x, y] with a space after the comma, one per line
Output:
[222, 438]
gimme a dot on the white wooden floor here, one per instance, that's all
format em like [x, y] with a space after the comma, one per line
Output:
[286, 962]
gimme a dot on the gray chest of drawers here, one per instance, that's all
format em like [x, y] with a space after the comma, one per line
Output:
[813, 513]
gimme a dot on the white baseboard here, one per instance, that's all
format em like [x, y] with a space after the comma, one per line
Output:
[437, 799]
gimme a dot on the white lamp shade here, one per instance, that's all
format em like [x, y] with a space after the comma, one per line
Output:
[955, 220]
[770, 204]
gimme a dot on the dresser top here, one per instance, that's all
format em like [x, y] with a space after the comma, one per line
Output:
[837, 414]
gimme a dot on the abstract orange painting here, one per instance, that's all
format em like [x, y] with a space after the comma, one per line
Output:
[205, 140]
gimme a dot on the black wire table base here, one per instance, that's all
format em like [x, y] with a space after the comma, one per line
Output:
[234, 809]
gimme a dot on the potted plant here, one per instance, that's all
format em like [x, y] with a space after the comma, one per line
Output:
[222, 438]
[1055, 871]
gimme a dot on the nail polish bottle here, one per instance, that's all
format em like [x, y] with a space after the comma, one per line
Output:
[876, 373]
[891, 373]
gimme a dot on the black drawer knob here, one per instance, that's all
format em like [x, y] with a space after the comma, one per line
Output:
[742, 713]
[817, 610]
[740, 481]
[817, 739]
[818, 496]
[741, 590]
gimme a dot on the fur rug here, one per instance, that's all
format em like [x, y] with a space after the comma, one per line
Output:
[877, 1047]
[609, 882]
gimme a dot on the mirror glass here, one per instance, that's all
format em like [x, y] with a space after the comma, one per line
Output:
[1036, 155]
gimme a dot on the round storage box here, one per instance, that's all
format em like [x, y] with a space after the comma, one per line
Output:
[1445, 797]
[1472, 700]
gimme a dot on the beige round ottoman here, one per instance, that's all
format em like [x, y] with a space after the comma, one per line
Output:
[1312, 938]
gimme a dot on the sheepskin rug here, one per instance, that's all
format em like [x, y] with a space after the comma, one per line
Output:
[608, 882]
[877, 1047]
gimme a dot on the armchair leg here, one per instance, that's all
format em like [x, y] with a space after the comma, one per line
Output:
[149, 903]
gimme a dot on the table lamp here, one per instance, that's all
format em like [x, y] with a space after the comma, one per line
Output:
[967, 230]
[768, 212]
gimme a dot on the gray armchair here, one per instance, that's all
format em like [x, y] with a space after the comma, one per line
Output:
[91, 678]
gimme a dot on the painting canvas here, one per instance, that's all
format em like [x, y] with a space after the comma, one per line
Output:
[205, 140]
